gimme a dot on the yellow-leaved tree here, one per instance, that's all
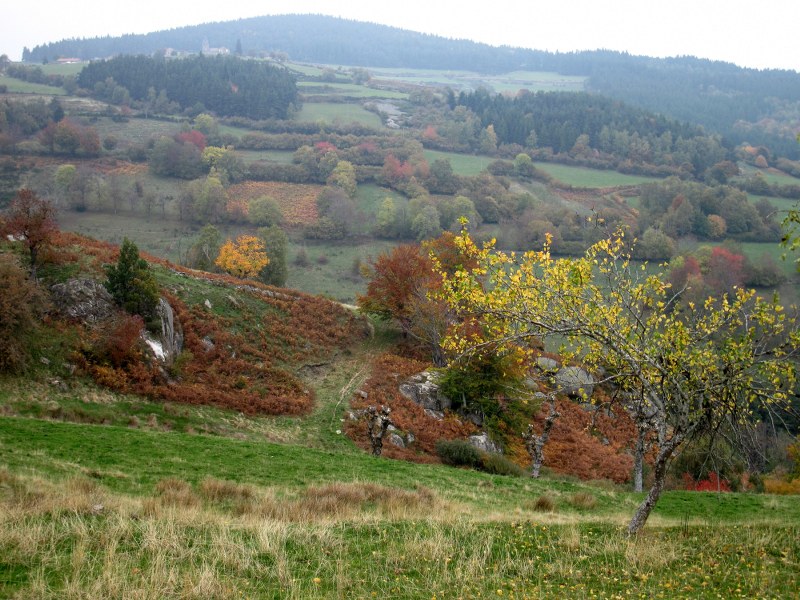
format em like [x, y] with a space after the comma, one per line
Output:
[678, 369]
[244, 257]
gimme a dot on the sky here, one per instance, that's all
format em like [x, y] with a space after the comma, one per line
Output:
[762, 35]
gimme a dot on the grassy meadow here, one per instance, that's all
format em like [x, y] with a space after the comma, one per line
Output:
[333, 112]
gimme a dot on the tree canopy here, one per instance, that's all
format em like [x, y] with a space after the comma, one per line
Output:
[681, 370]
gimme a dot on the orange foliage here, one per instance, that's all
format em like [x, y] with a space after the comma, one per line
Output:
[243, 258]
[589, 451]
[382, 388]
[298, 202]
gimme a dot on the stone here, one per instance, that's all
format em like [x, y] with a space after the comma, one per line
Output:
[84, 300]
[208, 344]
[207, 304]
[547, 364]
[483, 442]
[397, 440]
[575, 382]
[410, 438]
[423, 389]
[434, 414]
[166, 346]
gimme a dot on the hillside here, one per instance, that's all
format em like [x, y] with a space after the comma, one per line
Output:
[760, 107]
[109, 493]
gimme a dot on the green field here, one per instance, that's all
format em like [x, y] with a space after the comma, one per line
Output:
[332, 268]
[63, 69]
[771, 176]
[463, 164]
[338, 113]
[17, 86]
[346, 90]
[591, 178]
[283, 157]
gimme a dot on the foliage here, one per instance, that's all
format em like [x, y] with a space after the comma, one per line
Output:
[32, 219]
[20, 302]
[264, 212]
[244, 257]
[497, 464]
[275, 245]
[131, 282]
[202, 254]
[225, 85]
[458, 453]
[693, 369]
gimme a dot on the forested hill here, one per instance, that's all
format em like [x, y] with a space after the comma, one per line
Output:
[760, 107]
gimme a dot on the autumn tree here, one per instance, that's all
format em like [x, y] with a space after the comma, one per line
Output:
[131, 282]
[694, 370]
[33, 220]
[244, 257]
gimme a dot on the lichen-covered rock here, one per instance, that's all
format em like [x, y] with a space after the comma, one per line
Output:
[84, 300]
[482, 441]
[423, 389]
[575, 382]
[548, 365]
[398, 441]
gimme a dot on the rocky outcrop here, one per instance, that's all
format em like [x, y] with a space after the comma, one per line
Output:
[166, 346]
[483, 442]
[84, 300]
[575, 382]
[423, 389]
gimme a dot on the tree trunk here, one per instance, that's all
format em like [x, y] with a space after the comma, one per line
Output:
[638, 461]
[659, 476]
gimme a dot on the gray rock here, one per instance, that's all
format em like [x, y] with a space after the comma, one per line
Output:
[547, 364]
[423, 389]
[208, 344]
[575, 382]
[434, 414]
[84, 300]
[171, 330]
[207, 304]
[397, 440]
[483, 442]
[410, 438]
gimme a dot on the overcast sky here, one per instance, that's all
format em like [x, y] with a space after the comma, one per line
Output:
[762, 34]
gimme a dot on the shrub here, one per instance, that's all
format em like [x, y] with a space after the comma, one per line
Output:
[497, 464]
[459, 453]
[20, 300]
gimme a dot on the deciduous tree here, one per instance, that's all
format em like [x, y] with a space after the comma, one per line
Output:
[244, 257]
[32, 219]
[694, 369]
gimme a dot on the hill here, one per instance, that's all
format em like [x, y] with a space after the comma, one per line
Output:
[757, 106]
[105, 493]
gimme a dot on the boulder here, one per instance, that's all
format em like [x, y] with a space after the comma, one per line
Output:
[575, 382]
[396, 440]
[548, 365]
[423, 389]
[483, 442]
[84, 300]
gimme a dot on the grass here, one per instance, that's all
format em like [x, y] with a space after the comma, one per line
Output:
[283, 157]
[338, 113]
[93, 511]
[463, 164]
[346, 90]
[17, 86]
[331, 267]
[591, 178]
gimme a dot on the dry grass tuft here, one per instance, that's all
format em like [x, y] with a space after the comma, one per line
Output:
[583, 500]
[172, 492]
[219, 490]
[347, 500]
[544, 503]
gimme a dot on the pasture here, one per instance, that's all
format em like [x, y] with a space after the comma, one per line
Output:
[17, 86]
[338, 113]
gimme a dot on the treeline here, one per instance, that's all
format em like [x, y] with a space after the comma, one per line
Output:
[758, 106]
[594, 130]
[225, 85]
